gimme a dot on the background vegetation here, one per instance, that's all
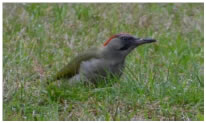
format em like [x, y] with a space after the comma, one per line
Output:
[162, 81]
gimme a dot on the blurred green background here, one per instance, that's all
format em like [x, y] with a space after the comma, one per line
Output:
[162, 81]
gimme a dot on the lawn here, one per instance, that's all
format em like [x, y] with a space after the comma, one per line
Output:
[161, 81]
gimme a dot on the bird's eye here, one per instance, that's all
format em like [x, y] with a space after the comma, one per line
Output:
[125, 46]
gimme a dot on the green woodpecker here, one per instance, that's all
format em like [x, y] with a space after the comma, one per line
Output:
[97, 63]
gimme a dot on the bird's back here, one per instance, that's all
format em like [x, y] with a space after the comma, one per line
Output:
[73, 67]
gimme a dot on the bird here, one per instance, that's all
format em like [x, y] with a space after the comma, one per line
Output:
[96, 64]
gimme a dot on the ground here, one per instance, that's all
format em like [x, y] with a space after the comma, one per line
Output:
[161, 81]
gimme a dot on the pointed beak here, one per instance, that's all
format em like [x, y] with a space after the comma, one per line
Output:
[140, 41]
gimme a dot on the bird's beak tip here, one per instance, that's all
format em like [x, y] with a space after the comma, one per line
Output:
[145, 40]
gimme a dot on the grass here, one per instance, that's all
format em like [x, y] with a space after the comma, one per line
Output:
[161, 81]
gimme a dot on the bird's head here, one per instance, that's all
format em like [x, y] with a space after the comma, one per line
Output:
[124, 43]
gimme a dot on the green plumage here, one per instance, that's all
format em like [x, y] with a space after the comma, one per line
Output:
[73, 66]
[109, 60]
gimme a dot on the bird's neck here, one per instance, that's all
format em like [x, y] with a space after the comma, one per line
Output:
[112, 55]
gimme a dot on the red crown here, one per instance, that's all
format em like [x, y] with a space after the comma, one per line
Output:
[114, 36]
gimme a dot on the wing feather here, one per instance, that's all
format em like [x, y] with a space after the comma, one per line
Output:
[72, 68]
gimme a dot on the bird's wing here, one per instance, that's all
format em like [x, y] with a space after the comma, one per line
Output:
[72, 68]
